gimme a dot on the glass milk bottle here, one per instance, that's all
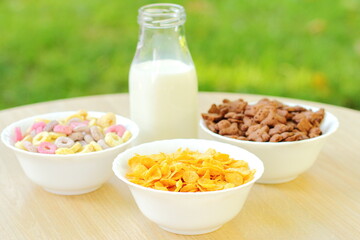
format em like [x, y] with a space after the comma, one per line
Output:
[162, 81]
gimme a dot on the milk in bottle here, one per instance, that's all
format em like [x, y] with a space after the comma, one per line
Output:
[162, 79]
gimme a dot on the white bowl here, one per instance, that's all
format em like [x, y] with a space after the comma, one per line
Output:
[283, 161]
[67, 174]
[185, 212]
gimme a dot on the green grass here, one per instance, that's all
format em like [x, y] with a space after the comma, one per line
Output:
[307, 49]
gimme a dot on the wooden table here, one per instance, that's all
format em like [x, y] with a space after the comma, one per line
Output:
[323, 203]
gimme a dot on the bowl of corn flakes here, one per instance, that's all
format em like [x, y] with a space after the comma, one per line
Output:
[287, 137]
[69, 153]
[188, 186]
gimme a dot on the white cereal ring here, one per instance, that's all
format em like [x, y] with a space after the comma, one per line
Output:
[88, 138]
[64, 142]
[83, 142]
[41, 137]
[29, 146]
[85, 129]
[50, 126]
[102, 144]
[112, 139]
[76, 136]
[96, 133]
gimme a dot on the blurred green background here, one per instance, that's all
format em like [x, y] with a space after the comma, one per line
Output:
[307, 49]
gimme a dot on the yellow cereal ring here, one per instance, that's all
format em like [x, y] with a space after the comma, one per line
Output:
[20, 145]
[87, 148]
[64, 151]
[62, 122]
[112, 139]
[92, 122]
[42, 120]
[126, 136]
[96, 146]
[76, 147]
[53, 135]
[107, 120]
[27, 138]
[41, 137]
[83, 113]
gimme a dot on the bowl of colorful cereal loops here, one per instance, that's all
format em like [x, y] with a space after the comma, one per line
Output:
[287, 137]
[69, 153]
[188, 186]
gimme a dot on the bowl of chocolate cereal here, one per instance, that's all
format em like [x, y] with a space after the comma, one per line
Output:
[287, 137]
[69, 153]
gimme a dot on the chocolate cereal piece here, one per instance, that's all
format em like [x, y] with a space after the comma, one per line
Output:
[266, 120]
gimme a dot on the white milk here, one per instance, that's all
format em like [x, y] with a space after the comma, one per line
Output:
[163, 99]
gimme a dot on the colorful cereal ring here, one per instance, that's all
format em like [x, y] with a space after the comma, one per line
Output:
[41, 137]
[75, 124]
[76, 136]
[38, 127]
[102, 144]
[87, 148]
[112, 139]
[63, 129]
[29, 146]
[88, 138]
[118, 129]
[126, 136]
[96, 146]
[64, 151]
[85, 129]
[18, 135]
[47, 147]
[96, 133]
[76, 147]
[50, 126]
[107, 120]
[64, 142]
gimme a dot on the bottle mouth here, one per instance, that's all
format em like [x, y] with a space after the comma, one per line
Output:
[161, 15]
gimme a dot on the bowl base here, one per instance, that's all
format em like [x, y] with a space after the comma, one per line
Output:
[276, 181]
[191, 232]
[75, 192]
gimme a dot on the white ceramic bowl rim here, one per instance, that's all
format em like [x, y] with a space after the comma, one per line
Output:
[124, 179]
[333, 128]
[9, 129]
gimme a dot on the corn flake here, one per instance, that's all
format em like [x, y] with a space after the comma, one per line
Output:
[189, 171]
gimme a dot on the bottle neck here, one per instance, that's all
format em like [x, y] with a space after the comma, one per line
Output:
[161, 15]
[162, 34]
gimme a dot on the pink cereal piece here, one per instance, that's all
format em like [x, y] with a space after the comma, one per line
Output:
[38, 127]
[77, 124]
[63, 129]
[18, 135]
[47, 148]
[118, 129]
